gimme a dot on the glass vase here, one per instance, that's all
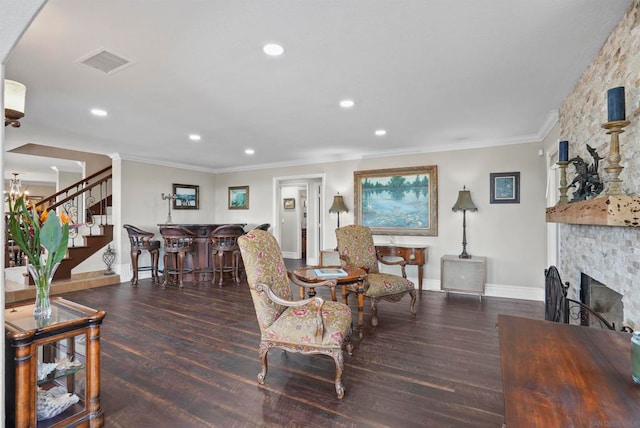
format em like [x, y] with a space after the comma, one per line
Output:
[42, 307]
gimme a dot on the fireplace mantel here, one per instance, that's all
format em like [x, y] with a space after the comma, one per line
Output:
[620, 210]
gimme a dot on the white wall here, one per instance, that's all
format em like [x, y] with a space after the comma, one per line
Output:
[137, 201]
[511, 236]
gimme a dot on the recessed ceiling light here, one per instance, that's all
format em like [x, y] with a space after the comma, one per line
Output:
[249, 151]
[99, 112]
[194, 137]
[347, 103]
[273, 49]
[380, 132]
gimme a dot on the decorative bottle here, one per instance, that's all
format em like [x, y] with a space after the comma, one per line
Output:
[635, 356]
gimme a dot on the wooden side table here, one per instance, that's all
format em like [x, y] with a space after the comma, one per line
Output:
[72, 335]
[463, 275]
[412, 255]
[354, 282]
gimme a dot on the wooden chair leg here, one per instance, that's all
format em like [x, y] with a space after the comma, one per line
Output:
[221, 266]
[236, 267]
[412, 306]
[214, 263]
[155, 256]
[165, 272]
[134, 266]
[339, 359]
[180, 267]
[262, 352]
[374, 312]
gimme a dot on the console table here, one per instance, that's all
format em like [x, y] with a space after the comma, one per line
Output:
[561, 375]
[412, 255]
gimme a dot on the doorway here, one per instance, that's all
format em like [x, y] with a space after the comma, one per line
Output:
[299, 202]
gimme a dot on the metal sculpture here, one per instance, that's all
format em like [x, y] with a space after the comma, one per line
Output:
[587, 181]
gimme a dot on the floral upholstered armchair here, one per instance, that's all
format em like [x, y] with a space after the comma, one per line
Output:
[310, 326]
[356, 248]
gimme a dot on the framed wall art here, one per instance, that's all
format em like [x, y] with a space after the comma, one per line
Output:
[397, 201]
[187, 197]
[505, 188]
[289, 203]
[239, 198]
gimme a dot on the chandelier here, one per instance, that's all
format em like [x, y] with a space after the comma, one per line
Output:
[15, 187]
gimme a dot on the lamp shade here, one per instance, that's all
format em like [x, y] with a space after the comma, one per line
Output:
[464, 202]
[14, 96]
[338, 205]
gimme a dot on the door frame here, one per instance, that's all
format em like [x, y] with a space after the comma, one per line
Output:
[314, 232]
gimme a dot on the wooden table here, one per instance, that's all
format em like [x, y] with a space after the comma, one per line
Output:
[412, 255]
[560, 375]
[354, 282]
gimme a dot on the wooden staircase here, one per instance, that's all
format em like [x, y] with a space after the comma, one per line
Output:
[79, 253]
[77, 195]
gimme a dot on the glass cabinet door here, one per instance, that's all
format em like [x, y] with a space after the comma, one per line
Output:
[61, 379]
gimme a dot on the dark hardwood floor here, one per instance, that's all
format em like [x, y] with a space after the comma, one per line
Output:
[173, 358]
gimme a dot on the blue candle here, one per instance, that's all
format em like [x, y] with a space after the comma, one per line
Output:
[615, 104]
[563, 153]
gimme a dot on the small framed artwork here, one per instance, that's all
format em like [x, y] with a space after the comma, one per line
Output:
[289, 203]
[187, 197]
[239, 198]
[505, 188]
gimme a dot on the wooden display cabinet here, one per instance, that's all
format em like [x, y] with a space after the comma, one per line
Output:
[71, 335]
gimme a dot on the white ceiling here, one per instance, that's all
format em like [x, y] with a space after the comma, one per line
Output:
[436, 74]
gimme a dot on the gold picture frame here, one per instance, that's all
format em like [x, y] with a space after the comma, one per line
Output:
[289, 203]
[239, 198]
[397, 201]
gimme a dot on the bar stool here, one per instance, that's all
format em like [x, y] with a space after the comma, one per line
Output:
[141, 241]
[225, 249]
[178, 242]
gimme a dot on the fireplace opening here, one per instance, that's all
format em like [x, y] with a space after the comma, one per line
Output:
[601, 299]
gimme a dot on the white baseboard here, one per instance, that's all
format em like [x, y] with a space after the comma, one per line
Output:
[493, 290]
[514, 292]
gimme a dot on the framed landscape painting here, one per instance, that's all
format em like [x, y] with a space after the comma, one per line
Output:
[239, 198]
[397, 201]
[187, 197]
[505, 188]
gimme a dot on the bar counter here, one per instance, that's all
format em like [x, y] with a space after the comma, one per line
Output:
[201, 262]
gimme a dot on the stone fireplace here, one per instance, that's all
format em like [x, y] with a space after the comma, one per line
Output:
[600, 246]
[603, 300]
[609, 255]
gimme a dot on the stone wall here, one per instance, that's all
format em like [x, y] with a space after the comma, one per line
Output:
[608, 254]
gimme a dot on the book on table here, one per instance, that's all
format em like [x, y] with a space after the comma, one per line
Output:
[330, 272]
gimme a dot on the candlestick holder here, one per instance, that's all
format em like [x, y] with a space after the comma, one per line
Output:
[170, 197]
[613, 184]
[563, 182]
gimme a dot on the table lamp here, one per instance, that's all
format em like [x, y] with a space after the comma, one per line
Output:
[338, 206]
[464, 204]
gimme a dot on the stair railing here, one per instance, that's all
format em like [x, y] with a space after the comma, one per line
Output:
[82, 201]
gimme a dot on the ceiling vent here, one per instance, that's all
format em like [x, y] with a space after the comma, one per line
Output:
[105, 61]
